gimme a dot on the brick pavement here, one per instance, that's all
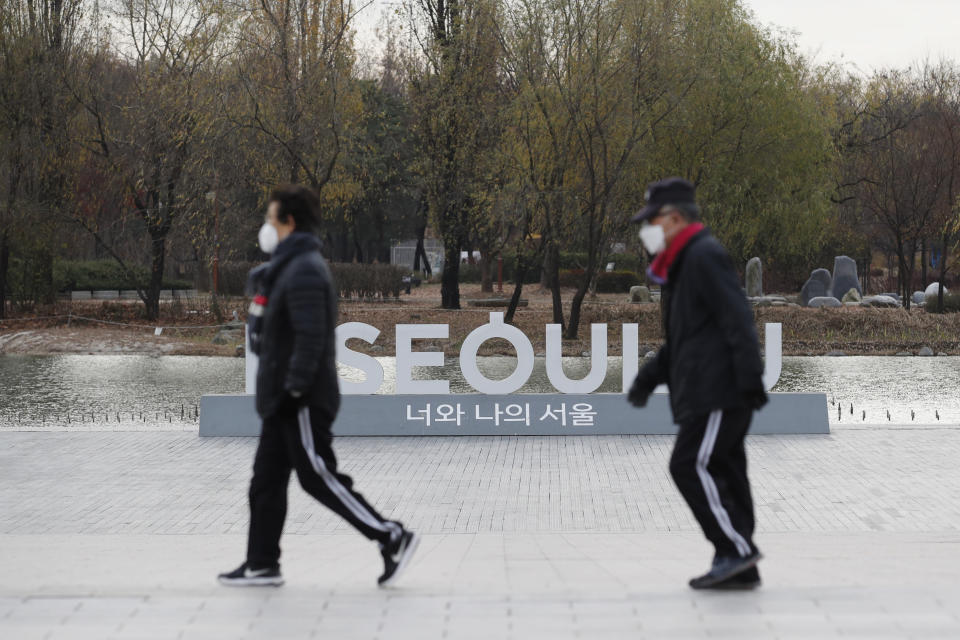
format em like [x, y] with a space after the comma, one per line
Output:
[119, 535]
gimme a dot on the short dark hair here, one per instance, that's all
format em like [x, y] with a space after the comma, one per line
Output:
[689, 210]
[299, 202]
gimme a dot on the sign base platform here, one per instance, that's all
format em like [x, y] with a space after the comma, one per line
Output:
[511, 415]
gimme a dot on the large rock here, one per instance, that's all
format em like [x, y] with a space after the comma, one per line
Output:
[918, 297]
[768, 301]
[816, 287]
[754, 278]
[884, 302]
[228, 336]
[933, 290]
[640, 294]
[844, 277]
[852, 296]
[828, 302]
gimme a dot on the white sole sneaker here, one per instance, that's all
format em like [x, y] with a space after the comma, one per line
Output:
[266, 581]
[404, 560]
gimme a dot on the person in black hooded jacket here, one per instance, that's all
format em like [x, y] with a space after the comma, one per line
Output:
[292, 325]
[711, 364]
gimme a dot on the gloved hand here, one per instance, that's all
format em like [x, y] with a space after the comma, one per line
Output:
[291, 401]
[639, 392]
[755, 398]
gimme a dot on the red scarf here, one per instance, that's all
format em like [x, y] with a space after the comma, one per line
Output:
[660, 267]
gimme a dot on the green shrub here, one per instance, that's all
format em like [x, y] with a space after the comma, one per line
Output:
[607, 282]
[627, 262]
[616, 281]
[571, 278]
[105, 275]
[233, 277]
[469, 273]
[951, 303]
[365, 281]
[572, 260]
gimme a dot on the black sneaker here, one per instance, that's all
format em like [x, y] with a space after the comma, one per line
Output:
[396, 556]
[244, 576]
[725, 568]
[746, 581]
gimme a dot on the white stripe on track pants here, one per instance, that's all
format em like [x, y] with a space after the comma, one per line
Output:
[709, 466]
[302, 440]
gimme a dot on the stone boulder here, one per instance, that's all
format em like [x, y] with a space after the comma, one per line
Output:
[228, 336]
[883, 302]
[640, 294]
[816, 286]
[925, 352]
[933, 291]
[828, 302]
[918, 297]
[844, 277]
[754, 278]
[852, 296]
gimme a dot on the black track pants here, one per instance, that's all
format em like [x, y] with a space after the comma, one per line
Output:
[297, 439]
[709, 465]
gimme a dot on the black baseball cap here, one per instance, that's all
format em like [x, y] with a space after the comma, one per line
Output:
[666, 191]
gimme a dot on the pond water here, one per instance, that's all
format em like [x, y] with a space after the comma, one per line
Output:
[84, 389]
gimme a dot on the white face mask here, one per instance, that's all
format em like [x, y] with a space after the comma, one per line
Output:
[653, 238]
[268, 238]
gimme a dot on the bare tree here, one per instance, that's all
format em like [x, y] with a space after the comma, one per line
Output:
[149, 126]
[453, 92]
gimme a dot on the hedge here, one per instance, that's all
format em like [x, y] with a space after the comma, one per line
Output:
[104, 275]
[365, 281]
[951, 303]
[607, 282]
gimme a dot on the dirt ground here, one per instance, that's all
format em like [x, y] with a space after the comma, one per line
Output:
[805, 331]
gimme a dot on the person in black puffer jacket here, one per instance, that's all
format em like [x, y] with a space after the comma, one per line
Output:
[711, 364]
[292, 328]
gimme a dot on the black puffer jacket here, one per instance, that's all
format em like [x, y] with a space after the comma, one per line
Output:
[711, 359]
[297, 346]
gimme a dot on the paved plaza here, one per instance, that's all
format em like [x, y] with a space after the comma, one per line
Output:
[120, 535]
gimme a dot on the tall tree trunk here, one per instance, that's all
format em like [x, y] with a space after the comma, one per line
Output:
[420, 254]
[943, 270]
[520, 276]
[45, 286]
[906, 278]
[450, 280]
[575, 305]
[923, 264]
[158, 256]
[545, 273]
[552, 267]
[4, 269]
[486, 273]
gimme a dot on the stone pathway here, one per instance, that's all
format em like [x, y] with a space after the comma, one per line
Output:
[120, 535]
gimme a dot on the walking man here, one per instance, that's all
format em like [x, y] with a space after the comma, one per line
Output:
[291, 326]
[711, 364]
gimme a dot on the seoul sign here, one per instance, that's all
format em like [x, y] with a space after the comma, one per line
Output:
[407, 358]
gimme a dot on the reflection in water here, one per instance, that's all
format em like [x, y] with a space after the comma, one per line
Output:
[875, 385]
[47, 388]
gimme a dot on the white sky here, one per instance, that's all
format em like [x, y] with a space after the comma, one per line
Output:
[870, 34]
[862, 34]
